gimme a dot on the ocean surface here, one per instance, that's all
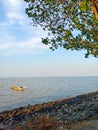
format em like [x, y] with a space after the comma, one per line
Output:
[43, 89]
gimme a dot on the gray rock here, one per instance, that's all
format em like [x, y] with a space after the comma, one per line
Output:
[89, 114]
[77, 117]
[25, 127]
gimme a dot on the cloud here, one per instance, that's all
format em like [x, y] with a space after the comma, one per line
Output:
[33, 43]
[14, 15]
[15, 11]
[5, 46]
[13, 3]
[16, 35]
[29, 46]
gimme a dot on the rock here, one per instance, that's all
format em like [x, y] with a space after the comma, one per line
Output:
[25, 127]
[77, 117]
[89, 114]
[1, 119]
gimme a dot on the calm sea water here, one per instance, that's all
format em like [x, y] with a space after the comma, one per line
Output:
[43, 89]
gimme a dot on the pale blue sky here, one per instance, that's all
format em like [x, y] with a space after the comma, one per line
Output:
[23, 55]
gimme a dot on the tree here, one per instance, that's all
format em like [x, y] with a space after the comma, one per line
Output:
[72, 24]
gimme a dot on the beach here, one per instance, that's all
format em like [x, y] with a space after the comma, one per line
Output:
[54, 115]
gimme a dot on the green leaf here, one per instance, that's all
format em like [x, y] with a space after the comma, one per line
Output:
[26, 0]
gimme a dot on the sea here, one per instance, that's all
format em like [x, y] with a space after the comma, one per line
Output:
[43, 89]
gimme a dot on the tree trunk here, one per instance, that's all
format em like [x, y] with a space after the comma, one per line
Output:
[94, 4]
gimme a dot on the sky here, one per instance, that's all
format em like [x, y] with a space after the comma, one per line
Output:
[23, 55]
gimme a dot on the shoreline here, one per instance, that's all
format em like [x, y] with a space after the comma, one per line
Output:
[64, 111]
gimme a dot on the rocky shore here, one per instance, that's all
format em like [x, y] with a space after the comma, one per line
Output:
[55, 115]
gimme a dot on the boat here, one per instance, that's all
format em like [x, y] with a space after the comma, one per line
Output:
[19, 88]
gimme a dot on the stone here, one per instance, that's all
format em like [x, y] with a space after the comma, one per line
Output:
[77, 117]
[89, 114]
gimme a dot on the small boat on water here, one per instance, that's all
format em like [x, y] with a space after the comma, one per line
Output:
[18, 88]
[21, 88]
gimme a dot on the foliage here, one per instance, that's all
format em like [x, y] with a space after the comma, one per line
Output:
[71, 23]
